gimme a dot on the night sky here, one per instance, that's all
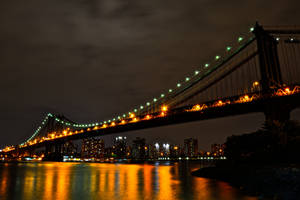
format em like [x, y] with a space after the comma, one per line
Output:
[94, 59]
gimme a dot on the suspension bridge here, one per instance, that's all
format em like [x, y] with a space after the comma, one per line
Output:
[260, 72]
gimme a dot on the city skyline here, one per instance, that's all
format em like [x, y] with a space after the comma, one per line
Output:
[120, 148]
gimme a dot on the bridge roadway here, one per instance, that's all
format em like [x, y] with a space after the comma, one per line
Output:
[274, 107]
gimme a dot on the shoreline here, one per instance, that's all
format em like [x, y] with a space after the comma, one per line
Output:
[267, 181]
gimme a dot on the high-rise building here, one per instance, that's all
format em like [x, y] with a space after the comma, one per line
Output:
[191, 147]
[69, 149]
[139, 149]
[160, 150]
[120, 147]
[165, 151]
[109, 152]
[92, 148]
[153, 152]
[175, 151]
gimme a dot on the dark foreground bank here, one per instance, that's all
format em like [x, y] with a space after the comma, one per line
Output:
[268, 182]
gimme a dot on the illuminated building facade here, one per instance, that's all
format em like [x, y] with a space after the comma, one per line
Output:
[93, 148]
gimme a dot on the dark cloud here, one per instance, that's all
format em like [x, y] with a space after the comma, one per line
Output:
[92, 59]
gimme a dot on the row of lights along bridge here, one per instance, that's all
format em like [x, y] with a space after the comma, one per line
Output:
[164, 112]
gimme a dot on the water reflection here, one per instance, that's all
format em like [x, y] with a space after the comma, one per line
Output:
[109, 181]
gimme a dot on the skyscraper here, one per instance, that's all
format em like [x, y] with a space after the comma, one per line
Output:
[120, 147]
[92, 148]
[139, 149]
[191, 147]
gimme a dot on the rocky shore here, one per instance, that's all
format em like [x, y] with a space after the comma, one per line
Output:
[267, 182]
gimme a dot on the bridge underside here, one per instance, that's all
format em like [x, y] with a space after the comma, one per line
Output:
[277, 108]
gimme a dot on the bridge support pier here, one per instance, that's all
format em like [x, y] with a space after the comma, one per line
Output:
[277, 116]
[275, 112]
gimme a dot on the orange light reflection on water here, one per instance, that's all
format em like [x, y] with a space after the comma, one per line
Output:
[48, 181]
[132, 177]
[147, 169]
[3, 181]
[166, 184]
[63, 182]
[28, 189]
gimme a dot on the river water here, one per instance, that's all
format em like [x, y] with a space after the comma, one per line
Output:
[83, 181]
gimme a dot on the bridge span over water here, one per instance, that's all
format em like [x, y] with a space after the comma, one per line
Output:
[259, 72]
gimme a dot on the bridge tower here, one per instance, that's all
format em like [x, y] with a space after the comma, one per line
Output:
[268, 59]
[271, 77]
